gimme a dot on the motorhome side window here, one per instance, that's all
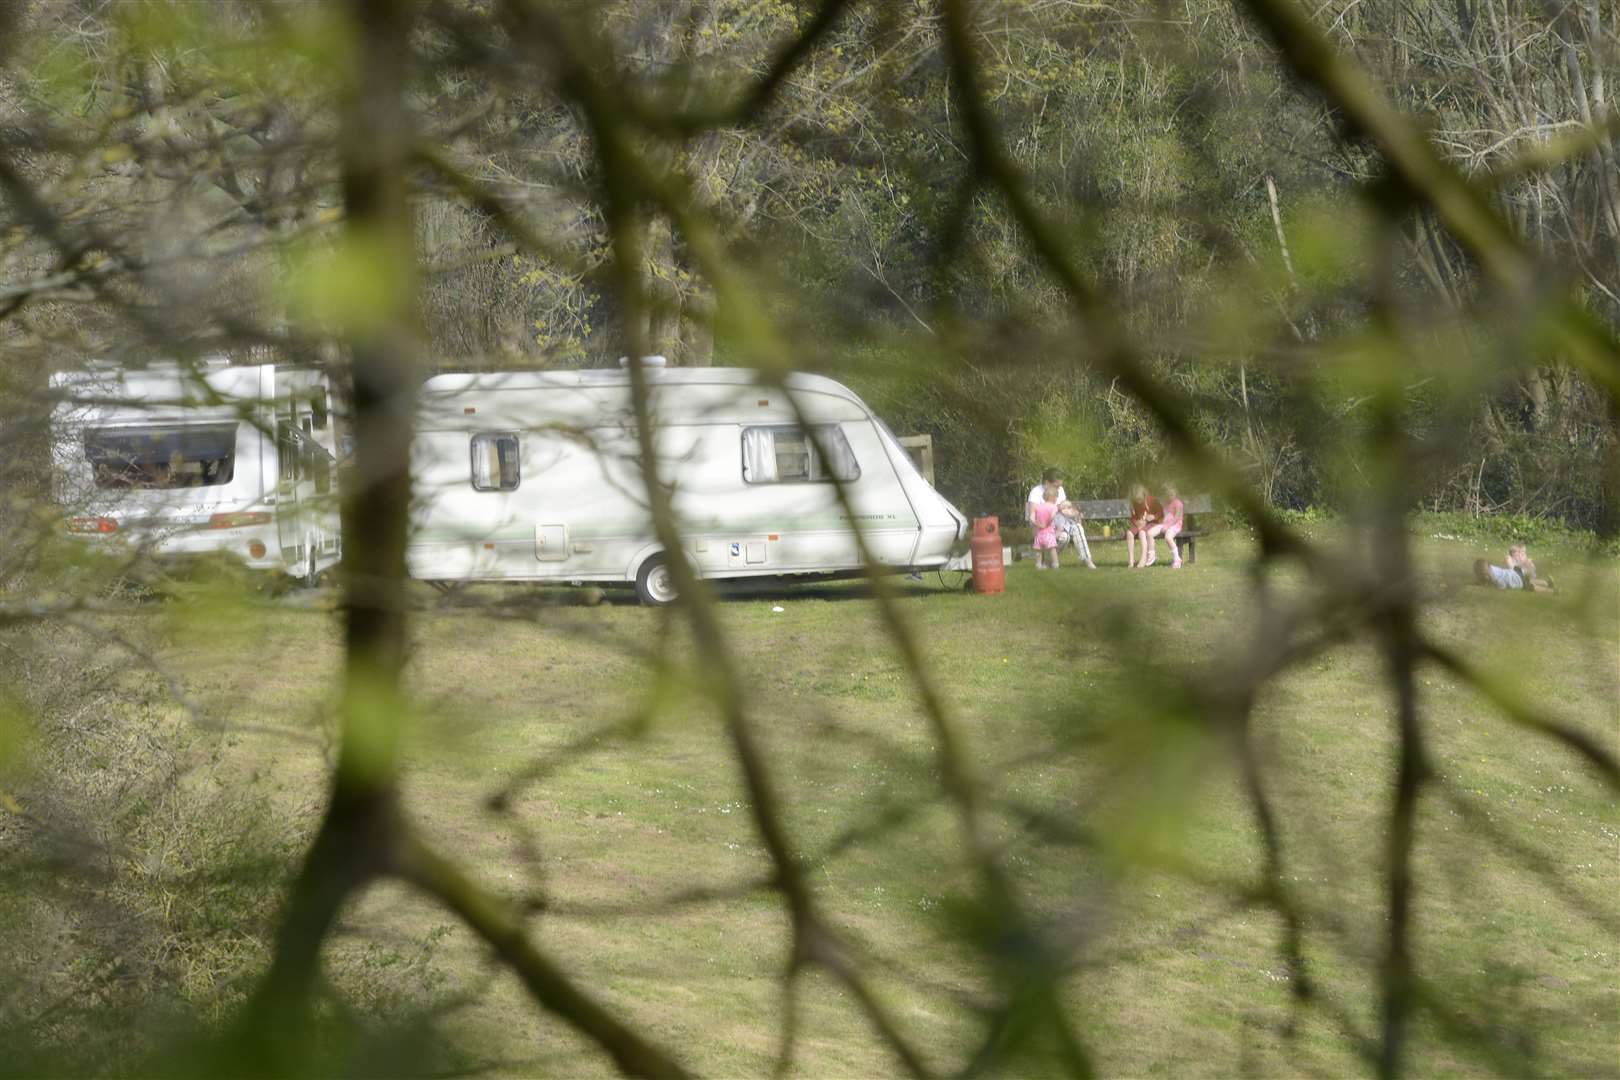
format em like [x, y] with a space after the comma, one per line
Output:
[787, 455]
[495, 463]
[193, 455]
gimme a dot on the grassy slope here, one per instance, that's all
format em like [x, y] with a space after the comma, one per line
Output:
[1173, 978]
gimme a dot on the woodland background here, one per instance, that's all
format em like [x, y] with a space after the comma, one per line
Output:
[1344, 266]
[1222, 210]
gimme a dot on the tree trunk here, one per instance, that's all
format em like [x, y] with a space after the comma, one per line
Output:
[354, 842]
[697, 330]
[1609, 520]
[663, 319]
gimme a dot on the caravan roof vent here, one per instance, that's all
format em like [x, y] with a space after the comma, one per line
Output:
[646, 361]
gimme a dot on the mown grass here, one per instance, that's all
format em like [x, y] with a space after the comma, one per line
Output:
[617, 797]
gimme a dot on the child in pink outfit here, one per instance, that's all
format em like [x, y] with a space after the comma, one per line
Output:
[1175, 516]
[1043, 515]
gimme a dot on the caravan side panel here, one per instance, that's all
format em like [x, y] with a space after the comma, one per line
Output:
[575, 506]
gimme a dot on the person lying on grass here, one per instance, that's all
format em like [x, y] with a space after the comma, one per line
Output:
[1518, 573]
[1071, 529]
[1145, 513]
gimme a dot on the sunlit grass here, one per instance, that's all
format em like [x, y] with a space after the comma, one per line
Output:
[1059, 688]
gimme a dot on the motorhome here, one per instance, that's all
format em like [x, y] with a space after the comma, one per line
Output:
[536, 476]
[186, 460]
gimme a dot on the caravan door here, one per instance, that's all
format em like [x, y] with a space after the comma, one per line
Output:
[291, 518]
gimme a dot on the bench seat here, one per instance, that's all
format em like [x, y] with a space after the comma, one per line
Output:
[1120, 510]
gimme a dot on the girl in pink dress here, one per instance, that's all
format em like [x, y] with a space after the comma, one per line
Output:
[1175, 516]
[1043, 515]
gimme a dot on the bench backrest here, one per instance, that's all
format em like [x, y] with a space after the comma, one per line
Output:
[1120, 509]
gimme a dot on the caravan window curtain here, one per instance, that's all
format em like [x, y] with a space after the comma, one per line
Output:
[786, 454]
[495, 464]
[759, 455]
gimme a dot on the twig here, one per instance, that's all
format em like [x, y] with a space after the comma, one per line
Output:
[500, 928]
[1501, 694]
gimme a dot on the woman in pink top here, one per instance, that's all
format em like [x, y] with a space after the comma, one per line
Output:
[1043, 515]
[1175, 514]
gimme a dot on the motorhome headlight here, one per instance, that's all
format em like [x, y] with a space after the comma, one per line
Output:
[92, 525]
[238, 520]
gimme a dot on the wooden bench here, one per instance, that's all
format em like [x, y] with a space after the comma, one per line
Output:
[1120, 510]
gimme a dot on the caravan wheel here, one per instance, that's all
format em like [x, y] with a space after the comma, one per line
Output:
[655, 584]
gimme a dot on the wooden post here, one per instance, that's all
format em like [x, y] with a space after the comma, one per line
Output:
[921, 450]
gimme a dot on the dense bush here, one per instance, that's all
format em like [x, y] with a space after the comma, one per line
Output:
[997, 428]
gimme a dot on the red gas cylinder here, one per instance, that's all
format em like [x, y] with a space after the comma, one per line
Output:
[989, 576]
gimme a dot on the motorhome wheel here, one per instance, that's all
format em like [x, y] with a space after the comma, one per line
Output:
[655, 584]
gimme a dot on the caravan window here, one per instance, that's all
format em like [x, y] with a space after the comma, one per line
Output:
[194, 455]
[495, 463]
[787, 455]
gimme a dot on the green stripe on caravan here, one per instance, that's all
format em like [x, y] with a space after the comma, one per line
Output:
[641, 527]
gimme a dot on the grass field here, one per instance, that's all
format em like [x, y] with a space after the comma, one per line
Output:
[610, 814]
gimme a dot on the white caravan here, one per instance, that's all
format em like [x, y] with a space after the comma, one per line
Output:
[536, 476]
[188, 461]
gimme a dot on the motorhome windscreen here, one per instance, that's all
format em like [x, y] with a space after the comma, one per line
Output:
[787, 455]
[191, 455]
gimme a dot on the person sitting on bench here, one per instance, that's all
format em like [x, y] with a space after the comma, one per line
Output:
[1175, 519]
[1071, 529]
[1051, 480]
[1145, 513]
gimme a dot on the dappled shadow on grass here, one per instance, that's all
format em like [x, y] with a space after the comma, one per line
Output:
[1107, 784]
[854, 589]
[516, 597]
